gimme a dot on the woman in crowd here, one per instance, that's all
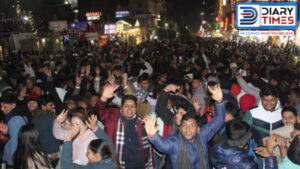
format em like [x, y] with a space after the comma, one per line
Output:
[81, 142]
[98, 153]
[29, 154]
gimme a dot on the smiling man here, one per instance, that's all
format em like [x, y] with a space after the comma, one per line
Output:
[188, 148]
[125, 129]
[266, 116]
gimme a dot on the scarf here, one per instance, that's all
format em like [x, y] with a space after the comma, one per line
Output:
[146, 148]
[183, 160]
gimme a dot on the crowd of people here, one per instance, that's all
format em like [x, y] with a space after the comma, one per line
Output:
[206, 103]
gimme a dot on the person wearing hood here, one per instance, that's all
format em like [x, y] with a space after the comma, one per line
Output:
[266, 117]
[232, 151]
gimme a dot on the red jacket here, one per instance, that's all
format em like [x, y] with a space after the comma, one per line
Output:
[109, 118]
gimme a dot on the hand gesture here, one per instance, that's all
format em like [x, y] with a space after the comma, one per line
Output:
[23, 92]
[3, 128]
[88, 70]
[216, 92]
[108, 92]
[281, 141]
[92, 122]
[78, 80]
[75, 131]
[150, 126]
[171, 88]
[124, 79]
[111, 78]
[196, 104]
[62, 116]
[272, 142]
[263, 151]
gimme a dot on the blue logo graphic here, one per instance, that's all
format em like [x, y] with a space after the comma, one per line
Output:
[249, 15]
[266, 15]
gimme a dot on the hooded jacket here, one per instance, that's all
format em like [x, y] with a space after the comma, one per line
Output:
[263, 121]
[233, 158]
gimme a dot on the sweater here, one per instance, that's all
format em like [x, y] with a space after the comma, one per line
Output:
[66, 160]
[80, 144]
[61, 134]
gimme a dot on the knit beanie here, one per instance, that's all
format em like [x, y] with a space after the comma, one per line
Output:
[235, 89]
[247, 101]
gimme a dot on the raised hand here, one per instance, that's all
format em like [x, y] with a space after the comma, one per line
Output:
[92, 122]
[150, 126]
[73, 134]
[171, 88]
[281, 141]
[78, 80]
[3, 128]
[62, 116]
[108, 92]
[88, 70]
[216, 92]
[272, 142]
[124, 79]
[23, 92]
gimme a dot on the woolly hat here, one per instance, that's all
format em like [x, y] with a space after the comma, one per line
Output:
[237, 134]
[32, 96]
[235, 89]
[247, 101]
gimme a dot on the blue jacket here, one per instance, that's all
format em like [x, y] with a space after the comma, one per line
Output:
[232, 158]
[102, 135]
[171, 145]
[14, 125]
[67, 163]
[44, 124]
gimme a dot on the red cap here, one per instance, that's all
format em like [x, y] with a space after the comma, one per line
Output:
[32, 96]
[247, 101]
[235, 89]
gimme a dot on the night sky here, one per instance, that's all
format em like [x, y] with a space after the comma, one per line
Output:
[184, 12]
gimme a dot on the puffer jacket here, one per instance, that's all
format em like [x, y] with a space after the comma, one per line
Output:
[233, 158]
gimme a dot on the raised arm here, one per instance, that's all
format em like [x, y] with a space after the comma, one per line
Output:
[247, 88]
[161, 106]
[162, 145]
[50, 86]
[211, 128]
[59, 132]
[104, 113]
